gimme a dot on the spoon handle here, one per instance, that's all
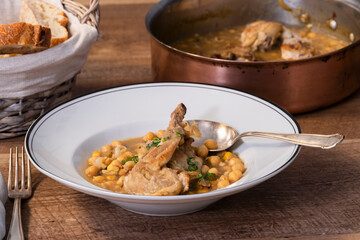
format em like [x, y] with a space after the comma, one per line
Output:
[309, 140]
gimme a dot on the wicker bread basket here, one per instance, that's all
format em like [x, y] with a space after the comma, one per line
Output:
[16, 115]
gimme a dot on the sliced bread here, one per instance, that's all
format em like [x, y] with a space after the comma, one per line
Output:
[23, 38]
[9, 55]
[38, 12]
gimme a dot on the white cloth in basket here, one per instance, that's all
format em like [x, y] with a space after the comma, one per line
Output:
[26, 75]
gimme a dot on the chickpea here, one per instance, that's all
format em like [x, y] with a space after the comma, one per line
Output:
[223, 183]
[204, 169]
[128, 165]
[214, 171]
[211, 144]
[149, 136]
[112, 168]
[98, 179]
[222, 164]
[91, 171]
[235, 175]
[238, 166]
[116, 163]
[120, 181]
[202, 151]
[109, 184]
[106, 148]
[160, 133]
[124, 156]
[116, 143]
[122, 172]
[226, 168]
[227, 156]
[107, 161]
[91, 160]
[111, 177]
[234, 161]
[224, 177]
[95, 154]
[226, 173]
[214, 160]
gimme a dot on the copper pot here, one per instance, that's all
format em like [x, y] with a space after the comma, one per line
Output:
[296, 85]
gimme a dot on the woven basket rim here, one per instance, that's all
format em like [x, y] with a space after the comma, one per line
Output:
[90, 15]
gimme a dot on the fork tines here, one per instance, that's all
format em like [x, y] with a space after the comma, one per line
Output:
[25, 182]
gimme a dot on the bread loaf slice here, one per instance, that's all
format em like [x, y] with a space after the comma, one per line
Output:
[23, 38]
[38, 12]
[10, 55]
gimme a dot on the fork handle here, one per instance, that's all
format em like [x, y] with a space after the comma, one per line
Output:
[16, 231]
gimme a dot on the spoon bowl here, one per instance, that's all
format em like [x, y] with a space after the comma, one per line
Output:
[226, 136]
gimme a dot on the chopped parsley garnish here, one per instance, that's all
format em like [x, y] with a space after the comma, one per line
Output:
[192, 165]
[133, 158]
[208, 176]
[179, 134]
[200, 176]
[156, 142]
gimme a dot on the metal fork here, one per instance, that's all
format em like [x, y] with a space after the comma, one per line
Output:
[18, 189]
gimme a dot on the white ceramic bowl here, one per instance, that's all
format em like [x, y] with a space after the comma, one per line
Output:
[60, 142]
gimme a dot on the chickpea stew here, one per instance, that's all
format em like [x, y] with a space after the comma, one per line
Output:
[128, 166]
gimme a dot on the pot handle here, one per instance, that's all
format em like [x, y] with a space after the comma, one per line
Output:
[90, 16]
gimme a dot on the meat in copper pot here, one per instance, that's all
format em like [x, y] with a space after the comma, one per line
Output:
[302, 58]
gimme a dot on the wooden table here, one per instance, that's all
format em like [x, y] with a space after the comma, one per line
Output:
[316, 197]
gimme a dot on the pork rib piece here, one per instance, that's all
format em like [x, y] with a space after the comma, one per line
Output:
[150, 176]
[261, 35]
[294, 46]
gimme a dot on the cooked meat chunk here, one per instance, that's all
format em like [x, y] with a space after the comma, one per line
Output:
[294, 46]
[178, 160]
[150, 176]
[236, 53]
[261, 35]
[185, 158]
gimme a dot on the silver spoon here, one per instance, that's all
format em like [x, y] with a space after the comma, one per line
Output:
[226, 136]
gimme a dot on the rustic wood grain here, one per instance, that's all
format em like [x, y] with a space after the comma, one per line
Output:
[316, 197]
[122, 55]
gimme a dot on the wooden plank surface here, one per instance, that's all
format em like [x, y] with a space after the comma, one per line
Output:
[316, 197]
